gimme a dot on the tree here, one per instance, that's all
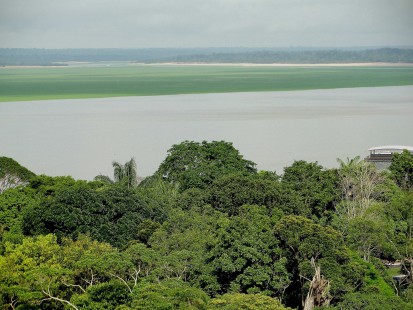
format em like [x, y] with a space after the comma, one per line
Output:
[40, 273]
[315, 186]
[401, 168]
[235, 301]
[158, 193]
[110, 214]
[229, 192]
[31, 272]
[319, 290]
[182, 243]
[12, 174]
[47, 187]
[13, 203]
[84, 257]
[103, 178]
[168, 294]
[371, 234]
[372, 301]
[193, 164]
[245, 257]
[125, 174]
[12, 167]
[306, 244]
[400, 211]
[361, 185]
[106, 295]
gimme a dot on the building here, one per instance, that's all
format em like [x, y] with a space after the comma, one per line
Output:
[381, 156]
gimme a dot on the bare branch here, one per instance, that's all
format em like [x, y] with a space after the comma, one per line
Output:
[123, 281]
[51, 297]
[75, 285]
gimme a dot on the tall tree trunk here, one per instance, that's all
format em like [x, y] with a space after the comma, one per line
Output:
[318, 294]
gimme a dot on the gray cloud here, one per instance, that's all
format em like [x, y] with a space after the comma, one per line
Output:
[201, 23]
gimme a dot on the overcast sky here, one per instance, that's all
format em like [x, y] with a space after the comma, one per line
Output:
[205, 23]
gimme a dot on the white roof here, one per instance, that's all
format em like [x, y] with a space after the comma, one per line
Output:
[392, 147]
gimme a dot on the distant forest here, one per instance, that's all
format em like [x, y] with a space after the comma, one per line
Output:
[27, 57]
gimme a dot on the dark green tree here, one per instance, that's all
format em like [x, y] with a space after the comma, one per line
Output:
[401, 168]
[111, 215]
[372, 301]
[13, 203]
[158, 193]
[400, 212]
[104, 296]
[192, 164]
[307, 245]
[315, 186]
[228, 193]
[245, 257]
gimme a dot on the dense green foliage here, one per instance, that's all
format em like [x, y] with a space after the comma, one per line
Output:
[195, 165]
[96, 82]
[237, 301]
[111, 215]
[316, 187]
[12, 174]
[10, 166]
[402, 169]
[207, 231]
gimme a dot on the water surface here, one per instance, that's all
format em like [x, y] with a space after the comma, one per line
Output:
[82, 137]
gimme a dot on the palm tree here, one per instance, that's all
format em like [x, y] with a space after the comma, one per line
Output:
[130, 173]
[350, 164]
[125, 174]
[118, 172]
[103, 178]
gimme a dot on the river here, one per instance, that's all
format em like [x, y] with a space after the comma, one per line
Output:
[82, 137]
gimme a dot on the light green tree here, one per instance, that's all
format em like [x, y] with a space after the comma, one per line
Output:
[361, 185]
[31, 273]
[168, 294]
[369, 234]
[235, 301]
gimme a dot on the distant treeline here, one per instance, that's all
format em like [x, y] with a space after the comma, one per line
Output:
[391, 55]
[24, 57]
